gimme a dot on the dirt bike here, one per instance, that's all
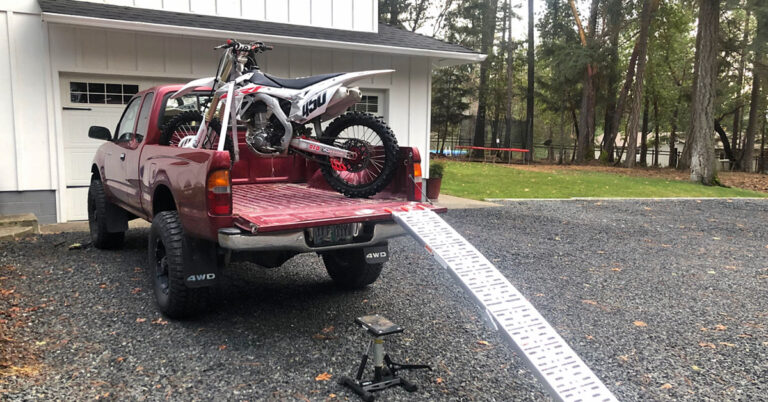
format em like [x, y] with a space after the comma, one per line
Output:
[357, 152]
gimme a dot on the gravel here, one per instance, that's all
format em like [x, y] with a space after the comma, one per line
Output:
[662, 299]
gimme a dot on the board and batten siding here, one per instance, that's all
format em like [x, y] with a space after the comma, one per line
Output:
[355, 15]
[99, 51]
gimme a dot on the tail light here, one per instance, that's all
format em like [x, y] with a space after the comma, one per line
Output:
[219, 193]
[417, 187]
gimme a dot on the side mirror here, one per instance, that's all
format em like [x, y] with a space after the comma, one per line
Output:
[100, 133]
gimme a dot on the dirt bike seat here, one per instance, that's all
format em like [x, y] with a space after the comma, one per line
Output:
[303, 82]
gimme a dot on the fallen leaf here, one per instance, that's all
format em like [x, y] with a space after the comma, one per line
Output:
[483, 343]
[323, 377]
[6, 292]
[616, 269]
[331, 396]
[666, 386]
[695, 368]
[327, 330]
[40, 343]
[640, 324]
[120, 359]
[103, 285]
[590, 337]
[730, 345]
[720, 327]
[704, 329]
[135, 291]
[624, 358]
[439, 380]
[137, 269]
[744, 335]
[707, 345]
[160, 321]
[539, 295]
[715, 238]
[141, 319]
[222, 347]
[592, 302]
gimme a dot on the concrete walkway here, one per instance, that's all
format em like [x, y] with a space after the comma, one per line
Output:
[452, 202]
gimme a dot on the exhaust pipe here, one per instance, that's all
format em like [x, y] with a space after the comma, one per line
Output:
[341, 101]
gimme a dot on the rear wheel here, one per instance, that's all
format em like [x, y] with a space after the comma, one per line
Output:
[166, 265]
[349, 270]
[184, 126]
[377, 152]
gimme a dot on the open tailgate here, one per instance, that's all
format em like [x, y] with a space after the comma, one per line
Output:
[285, 206]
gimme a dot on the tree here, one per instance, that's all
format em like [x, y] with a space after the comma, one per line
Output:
[649, 7]
[699, 152]
[587, 110]
[614, 19]
[756, 103]
[529, 93]
[488, 33]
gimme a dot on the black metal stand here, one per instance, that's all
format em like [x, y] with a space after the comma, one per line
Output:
[384, 369]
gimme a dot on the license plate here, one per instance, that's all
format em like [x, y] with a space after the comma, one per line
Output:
[335, 234]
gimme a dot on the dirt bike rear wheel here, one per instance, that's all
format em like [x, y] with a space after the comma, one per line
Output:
[376, 146]
[186, 124]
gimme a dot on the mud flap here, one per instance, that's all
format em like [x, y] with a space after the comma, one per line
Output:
[378, 254]
[200, 263]
[117, 218]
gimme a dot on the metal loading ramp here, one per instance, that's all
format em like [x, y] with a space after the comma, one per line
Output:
[555, 364]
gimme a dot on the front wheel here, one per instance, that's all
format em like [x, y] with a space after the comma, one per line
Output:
[376, 148]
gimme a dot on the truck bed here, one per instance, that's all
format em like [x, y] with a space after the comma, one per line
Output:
[273, 207]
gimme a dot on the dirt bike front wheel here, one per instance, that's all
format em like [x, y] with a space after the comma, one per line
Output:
[376, 150]
[183, 127]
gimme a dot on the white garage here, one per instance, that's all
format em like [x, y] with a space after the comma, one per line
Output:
[73, 64]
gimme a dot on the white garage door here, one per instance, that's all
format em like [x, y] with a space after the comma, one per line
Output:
[90, 100]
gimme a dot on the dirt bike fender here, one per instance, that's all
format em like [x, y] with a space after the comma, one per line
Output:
[202, 82]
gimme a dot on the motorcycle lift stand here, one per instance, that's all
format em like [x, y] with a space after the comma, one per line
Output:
[385, 371]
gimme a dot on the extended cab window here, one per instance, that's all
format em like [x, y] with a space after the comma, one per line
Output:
[174, 107]
[124, 130]
[146, 108]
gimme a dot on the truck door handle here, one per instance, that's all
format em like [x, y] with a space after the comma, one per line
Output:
[122, 156]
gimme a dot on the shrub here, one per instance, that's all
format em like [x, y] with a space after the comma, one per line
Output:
[436, 170]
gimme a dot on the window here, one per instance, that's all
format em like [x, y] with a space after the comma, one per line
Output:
[128, 121]
[174, 107]
[146, 108]
[101, 93]
[368, 104]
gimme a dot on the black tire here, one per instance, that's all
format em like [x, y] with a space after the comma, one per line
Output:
[186, 123]
[166, 266]
[97, 218]
[388, 157]
[349, 270]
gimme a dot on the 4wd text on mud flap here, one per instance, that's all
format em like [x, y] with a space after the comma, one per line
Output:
[201, 277]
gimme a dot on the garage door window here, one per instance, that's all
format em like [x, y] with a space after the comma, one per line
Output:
[368, 104]
[102, 93]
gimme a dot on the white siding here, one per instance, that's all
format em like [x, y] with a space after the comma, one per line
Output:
[357, 15]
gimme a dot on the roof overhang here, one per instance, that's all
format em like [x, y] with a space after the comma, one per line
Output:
[439, 58]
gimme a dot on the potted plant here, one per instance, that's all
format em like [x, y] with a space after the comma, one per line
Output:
[435, 179]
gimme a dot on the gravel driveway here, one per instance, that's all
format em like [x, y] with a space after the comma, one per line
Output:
[663, 299]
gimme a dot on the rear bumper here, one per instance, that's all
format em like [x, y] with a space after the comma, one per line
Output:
[237, 240]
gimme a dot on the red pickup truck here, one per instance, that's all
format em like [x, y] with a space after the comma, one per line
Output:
[206, 212]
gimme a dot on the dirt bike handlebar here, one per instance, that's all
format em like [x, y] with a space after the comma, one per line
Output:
[244, 47]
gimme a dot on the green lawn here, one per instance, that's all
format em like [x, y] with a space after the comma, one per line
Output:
[479, 181]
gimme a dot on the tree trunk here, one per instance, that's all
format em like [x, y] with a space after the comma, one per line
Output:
[528, 143]
[761, 161]
[486, 47]
[644, 136]
[587, 109]
[739, 114]
[756, 105]
[724, 139]
[656, 131]
[614, 21]
[616, 118]
[699, 146]
[510, 91]
[649, 7]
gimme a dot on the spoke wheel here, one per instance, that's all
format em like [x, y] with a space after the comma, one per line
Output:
[376, 152]
[184, 127]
